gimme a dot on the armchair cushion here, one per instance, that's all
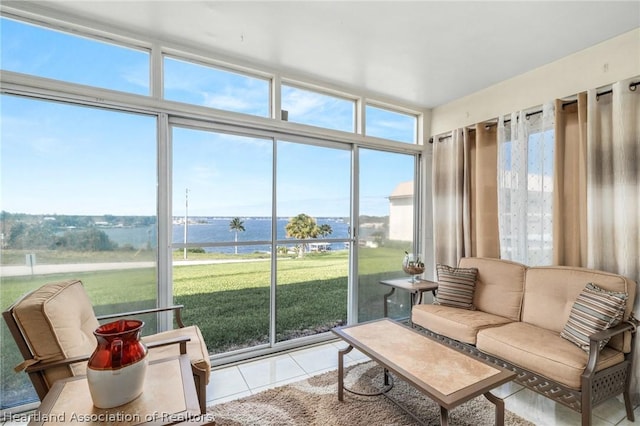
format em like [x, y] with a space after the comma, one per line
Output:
[52, 330]
[196, 348]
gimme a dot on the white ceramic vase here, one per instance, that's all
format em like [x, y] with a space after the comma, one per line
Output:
[117, 368]
[111, 388]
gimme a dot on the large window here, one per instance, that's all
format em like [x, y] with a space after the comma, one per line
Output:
[215, 87]
[389, 124]
[525, 187]
[78, 192]
[317, 109]
[53, 54]
[247, 221]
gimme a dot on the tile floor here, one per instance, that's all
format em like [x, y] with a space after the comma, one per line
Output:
[229, 383]
[248, 378]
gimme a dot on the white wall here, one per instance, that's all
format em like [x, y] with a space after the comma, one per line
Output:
[401, 218]
[595, 67]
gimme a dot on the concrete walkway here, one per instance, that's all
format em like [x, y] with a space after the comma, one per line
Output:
[20, 271]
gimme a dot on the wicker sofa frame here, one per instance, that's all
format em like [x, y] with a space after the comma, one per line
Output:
[596, 386]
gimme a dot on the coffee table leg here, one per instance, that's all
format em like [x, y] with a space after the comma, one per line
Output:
[499, 403]
[341, 354]
[444, 417]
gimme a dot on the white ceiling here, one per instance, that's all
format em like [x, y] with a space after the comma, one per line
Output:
[424, 53]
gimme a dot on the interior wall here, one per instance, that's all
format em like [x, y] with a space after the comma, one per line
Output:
[600, 65]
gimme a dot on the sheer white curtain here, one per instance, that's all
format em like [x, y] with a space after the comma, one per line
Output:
[451, 197]
[613, 188]
[525, 186]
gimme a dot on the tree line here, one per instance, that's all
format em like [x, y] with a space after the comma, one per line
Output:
[63, 232]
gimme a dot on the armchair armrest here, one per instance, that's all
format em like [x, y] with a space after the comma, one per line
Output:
[45, 365]
[594, 344]
[177, 310]
[41, 365]
[182, 340]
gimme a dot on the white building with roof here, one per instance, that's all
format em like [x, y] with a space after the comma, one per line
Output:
[401, 212]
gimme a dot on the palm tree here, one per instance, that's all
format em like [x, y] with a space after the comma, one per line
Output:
[324, 230]
[304, 226]
[236, 225]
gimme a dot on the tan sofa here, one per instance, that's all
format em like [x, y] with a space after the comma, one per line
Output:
[519, 315]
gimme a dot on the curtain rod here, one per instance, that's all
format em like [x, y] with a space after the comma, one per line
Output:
[632, 86]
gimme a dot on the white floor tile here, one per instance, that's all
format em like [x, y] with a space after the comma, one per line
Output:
[612, 410]
[277, 384]
[626, 422]
[544, 412]
[353, 355]
[507, 390]
[317, 359]
[225, 382]
[270, 370]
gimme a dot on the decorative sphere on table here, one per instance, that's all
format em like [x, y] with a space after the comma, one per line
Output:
[412, 265]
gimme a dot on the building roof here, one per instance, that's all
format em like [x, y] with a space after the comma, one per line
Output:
[402, 190]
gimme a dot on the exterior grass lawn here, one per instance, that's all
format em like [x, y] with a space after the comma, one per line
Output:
[229, 301]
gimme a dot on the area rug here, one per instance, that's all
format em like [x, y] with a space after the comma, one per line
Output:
[315, 402]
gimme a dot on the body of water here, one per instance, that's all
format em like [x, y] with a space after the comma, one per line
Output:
[216, 230]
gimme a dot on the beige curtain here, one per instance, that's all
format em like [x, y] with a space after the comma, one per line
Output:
[451, 197]
[613, 188]
[483, 153]
[570, 183]
[465, 205]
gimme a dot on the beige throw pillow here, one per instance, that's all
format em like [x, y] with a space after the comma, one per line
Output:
[594, 310]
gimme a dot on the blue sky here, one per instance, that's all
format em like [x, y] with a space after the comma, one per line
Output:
[63, 159]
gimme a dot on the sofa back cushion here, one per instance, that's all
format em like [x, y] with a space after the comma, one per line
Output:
[500, 286]
[551, 291]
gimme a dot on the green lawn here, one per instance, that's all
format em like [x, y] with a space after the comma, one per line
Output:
[228, 301]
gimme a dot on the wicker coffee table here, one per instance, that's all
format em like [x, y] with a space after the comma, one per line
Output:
[447, 376]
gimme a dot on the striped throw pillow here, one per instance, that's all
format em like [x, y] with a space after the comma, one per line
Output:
[594, 310]
[456, 286]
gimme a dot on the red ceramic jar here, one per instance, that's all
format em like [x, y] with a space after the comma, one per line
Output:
[117, 367]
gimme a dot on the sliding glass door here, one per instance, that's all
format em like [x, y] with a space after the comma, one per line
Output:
[249, 274]
[313, 204]
[387, 224]
[222, 235]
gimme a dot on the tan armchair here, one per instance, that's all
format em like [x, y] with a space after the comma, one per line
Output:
[53, 328]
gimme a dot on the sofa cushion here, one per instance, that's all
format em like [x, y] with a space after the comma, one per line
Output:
[542, 351]
[499, 286]
[459, 324]
[455, 286]
[551, 291]
[594, 310]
